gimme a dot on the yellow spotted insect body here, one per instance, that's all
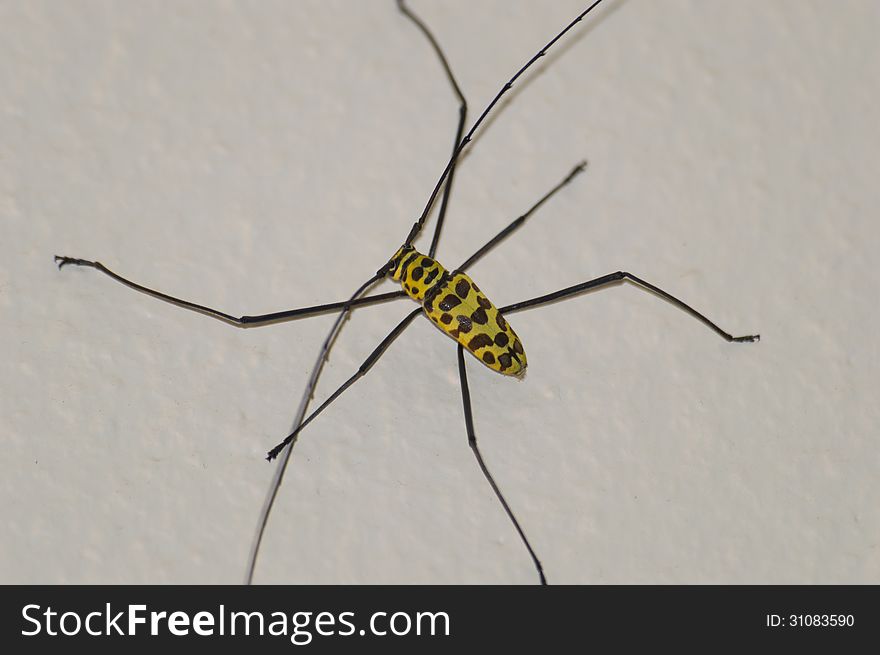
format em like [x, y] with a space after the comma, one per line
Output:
[457, 306]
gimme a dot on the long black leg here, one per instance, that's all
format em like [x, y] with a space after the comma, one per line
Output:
[614, 278]
[417, 226]
[239, 321]
[518, 222]
[361, 372]
[472, 442]
[303, 312]
[462, 117]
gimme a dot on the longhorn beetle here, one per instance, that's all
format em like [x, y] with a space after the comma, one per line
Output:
[448, 298]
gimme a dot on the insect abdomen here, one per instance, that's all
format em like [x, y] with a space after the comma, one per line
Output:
[460, 309]
[457, 306]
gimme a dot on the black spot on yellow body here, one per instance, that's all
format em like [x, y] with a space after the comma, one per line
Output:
[449, 302]
[480, 316]
[488, 357]
[479, 341]
[418, 273]
[462, 288]
[406, 264]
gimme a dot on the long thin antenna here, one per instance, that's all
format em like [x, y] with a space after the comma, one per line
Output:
[417, 226]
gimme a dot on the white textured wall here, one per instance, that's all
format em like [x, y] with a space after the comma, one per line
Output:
[264, 155]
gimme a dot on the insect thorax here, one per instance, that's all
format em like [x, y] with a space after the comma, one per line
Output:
[457, 306]
[416, 272]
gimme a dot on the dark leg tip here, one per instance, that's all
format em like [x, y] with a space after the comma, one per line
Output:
[63, 261]
[751, 338]
[577, 170]
[274, 453]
